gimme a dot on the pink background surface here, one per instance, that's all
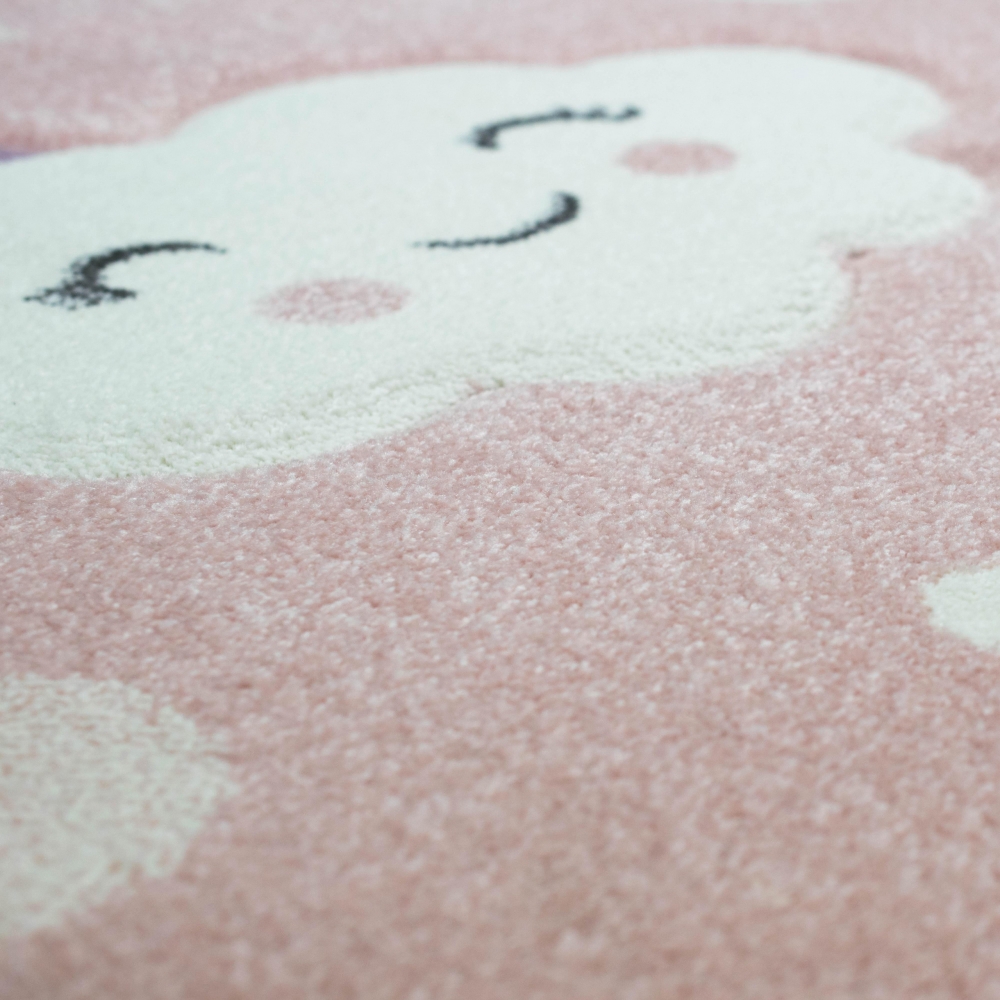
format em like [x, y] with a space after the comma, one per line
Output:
[613, 692]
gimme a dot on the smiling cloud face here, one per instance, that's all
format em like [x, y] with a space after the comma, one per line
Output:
[311, 266]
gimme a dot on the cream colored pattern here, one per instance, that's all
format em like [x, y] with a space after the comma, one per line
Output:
[346, 177]
[968, 604]
[98, 785]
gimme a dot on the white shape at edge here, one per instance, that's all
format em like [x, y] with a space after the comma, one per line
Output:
[967, 604]
[97, 785]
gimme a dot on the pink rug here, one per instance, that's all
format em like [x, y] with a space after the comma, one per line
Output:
[501, 500]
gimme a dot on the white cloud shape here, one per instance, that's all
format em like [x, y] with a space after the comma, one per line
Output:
[96, 785]
[967, 604]
[350, 177]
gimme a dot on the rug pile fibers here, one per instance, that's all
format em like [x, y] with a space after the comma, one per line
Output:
[499, 500]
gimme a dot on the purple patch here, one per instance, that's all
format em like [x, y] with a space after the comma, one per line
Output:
[9, 154]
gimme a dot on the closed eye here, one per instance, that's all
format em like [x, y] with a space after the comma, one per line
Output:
[83, 285]
[565, 207]
[485, 136]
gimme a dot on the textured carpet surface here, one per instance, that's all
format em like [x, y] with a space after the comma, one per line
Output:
[499, 500]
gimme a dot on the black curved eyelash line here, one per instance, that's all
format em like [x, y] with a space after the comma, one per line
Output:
[565, 208]
[83, 286]
[485, 136]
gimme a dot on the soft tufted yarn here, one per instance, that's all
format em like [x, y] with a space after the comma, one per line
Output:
[500, 500]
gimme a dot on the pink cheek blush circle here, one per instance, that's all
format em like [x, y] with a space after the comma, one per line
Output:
[672, 158]
[333, 302]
